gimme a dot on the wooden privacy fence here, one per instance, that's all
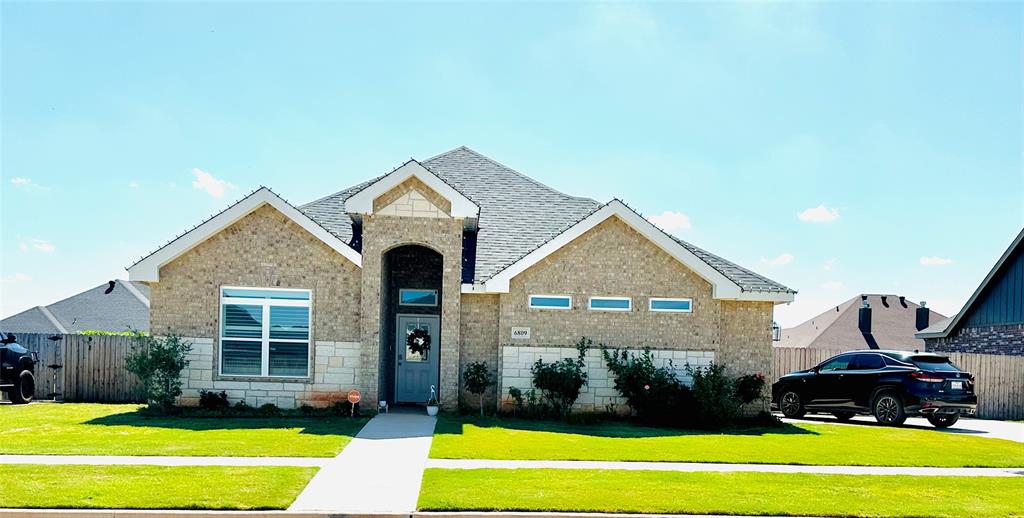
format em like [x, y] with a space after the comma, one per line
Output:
[84, 368]
[999, 379]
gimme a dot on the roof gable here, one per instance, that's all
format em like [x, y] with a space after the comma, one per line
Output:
[892, 325]
[147, 269]
[363, 201]
[722, 286]
[1011, 258]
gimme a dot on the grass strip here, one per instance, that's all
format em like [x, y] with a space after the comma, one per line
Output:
[151, 487]
[99, 429]
[743, 493]
[804, 444]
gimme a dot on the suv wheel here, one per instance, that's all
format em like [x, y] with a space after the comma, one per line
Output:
[24, 388]
[791, 405]
[943, 420]
[843, 416]
[888, 409]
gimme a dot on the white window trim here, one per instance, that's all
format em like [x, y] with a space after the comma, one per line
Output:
[403, 290]
[629, 306]
[530, 301]
[652, 300]
[264, 340]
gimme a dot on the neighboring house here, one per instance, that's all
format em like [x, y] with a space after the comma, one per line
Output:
[867, 321]
[297, 306]
[114, 306]
[992, 321]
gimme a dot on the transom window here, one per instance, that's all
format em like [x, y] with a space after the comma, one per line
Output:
[611, 303]
[550, 302]
[264, 332]
[411, 297]
[671, 305]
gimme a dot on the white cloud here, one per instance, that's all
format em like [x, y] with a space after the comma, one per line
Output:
[133, 184]
[829, 264]
[27, 184]
[43, 246]
[213, 186]
[671, 221]
[833, 285]
[17, 277]
[819, 214]
[782, 259]
[935, 261]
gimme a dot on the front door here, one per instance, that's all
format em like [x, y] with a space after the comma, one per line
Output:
[416, 372]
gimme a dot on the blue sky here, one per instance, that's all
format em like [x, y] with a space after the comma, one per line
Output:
[837, 148]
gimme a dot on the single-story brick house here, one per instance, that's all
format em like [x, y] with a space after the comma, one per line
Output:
[298, 305]
[992, 320]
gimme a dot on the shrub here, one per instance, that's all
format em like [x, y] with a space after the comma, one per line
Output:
[653, 393]
[518, 405]
[158, 362]
[342, 408]
[750, 387]
[307, 410]
[211, 400]
[242, 407]
[268, 410]
[560, 382]
[714, 397]
[477, 378]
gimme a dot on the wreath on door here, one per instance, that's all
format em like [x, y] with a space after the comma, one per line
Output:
[418, 341]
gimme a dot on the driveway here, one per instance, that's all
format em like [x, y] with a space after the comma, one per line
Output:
[977, 427]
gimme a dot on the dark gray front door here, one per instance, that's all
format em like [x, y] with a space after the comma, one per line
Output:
[414, 372]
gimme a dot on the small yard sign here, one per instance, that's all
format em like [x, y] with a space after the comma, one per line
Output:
[353, 396]
[520, 333]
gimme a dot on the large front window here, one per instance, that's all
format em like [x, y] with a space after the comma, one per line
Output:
[264, 332]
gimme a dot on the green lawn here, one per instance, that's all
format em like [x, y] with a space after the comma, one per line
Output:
[811, 444]
[719, 493]
[94, 429]
[151, 487]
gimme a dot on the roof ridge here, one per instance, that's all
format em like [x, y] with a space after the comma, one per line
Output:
[513, 171]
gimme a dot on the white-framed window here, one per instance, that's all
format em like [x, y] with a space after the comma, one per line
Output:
[264, 332]
[417, 297]
[671, 305]
[550, 302]
[611, 303]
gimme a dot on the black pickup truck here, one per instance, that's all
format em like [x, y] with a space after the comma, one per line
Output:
[16, 366]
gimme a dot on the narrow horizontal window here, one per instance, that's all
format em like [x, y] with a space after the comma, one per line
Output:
[611, 303]
[672, 305]
[550, 302]
[417, 297]
[264, 332]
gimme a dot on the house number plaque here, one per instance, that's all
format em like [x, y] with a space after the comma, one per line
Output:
[520, 333]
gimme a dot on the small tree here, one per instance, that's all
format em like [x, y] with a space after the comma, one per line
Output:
[560, 382]
[477, 378]
[158, 362]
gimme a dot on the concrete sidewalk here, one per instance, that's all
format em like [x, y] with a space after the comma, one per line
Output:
[380, 471]
[708, 467]
[988, 428]
[108, 460]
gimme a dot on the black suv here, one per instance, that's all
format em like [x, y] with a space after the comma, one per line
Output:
[891, 385]
[16, 365]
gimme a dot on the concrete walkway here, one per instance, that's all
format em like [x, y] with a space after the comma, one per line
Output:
[380, 471]
[706, 467]
[108, 460]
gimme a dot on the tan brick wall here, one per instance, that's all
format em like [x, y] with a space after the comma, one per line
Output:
[382, 233]
[263, 249]
[612, 259]
[412, 186]
[479, 335]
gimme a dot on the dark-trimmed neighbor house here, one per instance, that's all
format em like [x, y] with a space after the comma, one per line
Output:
[114, 306]
[866, 321]
[298, 305]
[992, 320]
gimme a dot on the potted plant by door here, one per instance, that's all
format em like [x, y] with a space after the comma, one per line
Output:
[432, 404]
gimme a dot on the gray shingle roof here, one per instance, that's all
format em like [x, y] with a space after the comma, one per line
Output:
[91, 309]
[517, 215]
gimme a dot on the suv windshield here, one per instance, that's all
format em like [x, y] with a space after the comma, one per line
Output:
[934, 364]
